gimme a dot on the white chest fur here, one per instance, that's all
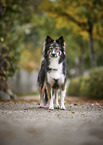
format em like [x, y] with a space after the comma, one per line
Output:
[54, 63]
[56, 73]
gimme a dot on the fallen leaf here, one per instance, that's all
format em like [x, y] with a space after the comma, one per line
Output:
[65, 101]
[92, 104]
[73, 112]
[75, 104]
[58, 115]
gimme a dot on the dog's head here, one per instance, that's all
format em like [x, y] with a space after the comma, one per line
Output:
[54, 49]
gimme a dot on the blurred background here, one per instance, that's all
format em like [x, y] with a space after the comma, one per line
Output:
[24, 26]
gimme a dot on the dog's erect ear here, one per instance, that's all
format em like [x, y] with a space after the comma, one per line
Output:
[60, 41]
[49, 40]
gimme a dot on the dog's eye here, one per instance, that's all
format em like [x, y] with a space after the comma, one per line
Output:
[50, 48]
[59, 52]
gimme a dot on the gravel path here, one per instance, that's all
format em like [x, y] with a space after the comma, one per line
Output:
[24, 123]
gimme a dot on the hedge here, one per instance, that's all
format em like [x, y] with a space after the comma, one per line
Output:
[89, 87]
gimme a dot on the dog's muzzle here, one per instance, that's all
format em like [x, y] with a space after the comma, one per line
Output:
[54, 54]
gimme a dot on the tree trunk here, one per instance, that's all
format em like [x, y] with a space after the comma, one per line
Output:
[91, 46]
[82, 62]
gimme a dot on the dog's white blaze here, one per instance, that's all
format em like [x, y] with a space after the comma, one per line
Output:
[55, 74]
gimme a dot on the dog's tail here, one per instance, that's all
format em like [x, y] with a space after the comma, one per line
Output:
[45, 96]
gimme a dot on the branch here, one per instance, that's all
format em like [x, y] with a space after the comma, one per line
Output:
[69, 17]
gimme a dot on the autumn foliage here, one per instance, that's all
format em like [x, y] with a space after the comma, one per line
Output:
[85, 17]
[24, 26]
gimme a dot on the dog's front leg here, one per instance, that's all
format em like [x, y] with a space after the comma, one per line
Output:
[56, 100]
[51, 106]
[63, 93]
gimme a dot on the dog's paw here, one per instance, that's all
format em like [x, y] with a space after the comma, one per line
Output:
[57, 106]
[62, 108]
[51, 108]
[41, 104]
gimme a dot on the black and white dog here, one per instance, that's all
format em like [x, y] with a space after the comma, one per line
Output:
[52, 77]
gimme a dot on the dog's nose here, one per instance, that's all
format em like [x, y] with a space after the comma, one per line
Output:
[53, 55]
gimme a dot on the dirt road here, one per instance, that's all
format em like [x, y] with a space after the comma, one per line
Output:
[24, 123]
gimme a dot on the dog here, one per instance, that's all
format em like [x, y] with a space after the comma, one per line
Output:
[52, 77]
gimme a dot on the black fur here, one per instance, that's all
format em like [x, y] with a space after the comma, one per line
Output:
[45, 66]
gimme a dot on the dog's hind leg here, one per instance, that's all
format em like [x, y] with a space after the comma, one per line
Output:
[45, 97]
[41, 99]
[42, 96]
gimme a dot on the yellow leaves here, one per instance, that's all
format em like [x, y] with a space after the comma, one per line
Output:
[100, 15]
[2, 39]
[45, 5]
[84, 34]
[61, 22]
[27, 54]
[75, 3]
[37, 54]
[78, 30]
[25, 58]
[74, 14]
[98, 32]
[30, 59]
[88, 4]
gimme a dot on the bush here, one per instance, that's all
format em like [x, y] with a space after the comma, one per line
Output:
[85, 81]
[78, 87]
[96, 83]
[89, 87]
[74, 87]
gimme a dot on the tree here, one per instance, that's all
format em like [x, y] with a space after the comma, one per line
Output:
[15, 22]
[84, 16]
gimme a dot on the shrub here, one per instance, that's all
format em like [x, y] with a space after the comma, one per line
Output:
[85, 81]
[74, 87]
[89, 87]
[96, 83]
